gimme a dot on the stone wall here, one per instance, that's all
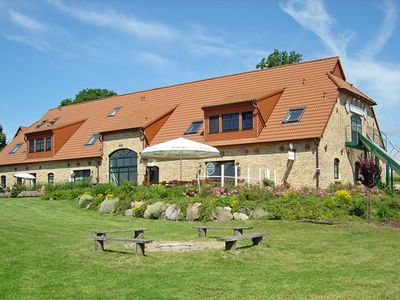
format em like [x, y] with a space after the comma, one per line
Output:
[62, 170]
[122, 140]
[272, 156]
[332, 144]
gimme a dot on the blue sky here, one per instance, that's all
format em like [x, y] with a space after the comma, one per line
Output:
[50, 50]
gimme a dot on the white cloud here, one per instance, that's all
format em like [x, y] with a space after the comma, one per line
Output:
[388, 25]
[112, 19]
[28, 40]
[312, 15]
[377, 78]
[26, 22]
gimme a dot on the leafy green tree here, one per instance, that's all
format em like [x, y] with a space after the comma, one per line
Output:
[2, 138]
[87, 95]
[278, 58]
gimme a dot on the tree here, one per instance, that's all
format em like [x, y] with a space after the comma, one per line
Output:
[2, 138]
[278, 58]
[88, 94]
[370, 175]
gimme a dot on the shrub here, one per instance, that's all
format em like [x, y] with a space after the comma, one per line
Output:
[383, 211]
[63, 194]
[138, 210]
[16, 189]
[268, 182]
[123, 204]
[126, 187]
[103, 189]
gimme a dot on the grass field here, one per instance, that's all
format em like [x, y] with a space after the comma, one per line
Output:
[45, 253]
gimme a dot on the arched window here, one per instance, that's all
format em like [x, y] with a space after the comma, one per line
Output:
[356, 126]
[50, 178]
[3, 182]
[123, 166]
[336, 168]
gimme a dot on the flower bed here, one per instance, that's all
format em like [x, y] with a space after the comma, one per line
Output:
[216, 203]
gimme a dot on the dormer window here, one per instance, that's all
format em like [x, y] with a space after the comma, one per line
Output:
[194, 127]
[114, 112]
[230, 122]
[92, 139]
[213, 124]
[31, 145]
[293, 115]
[48, 144]
[39, 145]
[247, 120]
[15, 149]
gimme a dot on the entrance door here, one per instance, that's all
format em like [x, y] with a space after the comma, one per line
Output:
[123, 166]
[153, 174]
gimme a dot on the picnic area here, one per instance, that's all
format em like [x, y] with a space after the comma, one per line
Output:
[46, 253]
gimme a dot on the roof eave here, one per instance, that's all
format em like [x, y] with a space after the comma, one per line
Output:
[368, 100]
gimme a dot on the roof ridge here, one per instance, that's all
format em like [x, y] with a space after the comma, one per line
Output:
[201, 80]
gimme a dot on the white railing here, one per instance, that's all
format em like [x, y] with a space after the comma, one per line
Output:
[250, 177]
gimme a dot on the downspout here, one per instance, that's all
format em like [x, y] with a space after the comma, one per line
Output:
[317, 170]
[145, 142]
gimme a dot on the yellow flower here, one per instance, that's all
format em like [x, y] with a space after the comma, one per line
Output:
[343, 195]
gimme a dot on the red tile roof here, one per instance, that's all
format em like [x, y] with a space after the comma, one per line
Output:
[240, 98]
[305, 84]
[344, 85]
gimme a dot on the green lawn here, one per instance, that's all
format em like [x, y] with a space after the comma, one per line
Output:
[45, 253]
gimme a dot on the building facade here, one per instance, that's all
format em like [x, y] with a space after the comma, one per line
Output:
[290, 124]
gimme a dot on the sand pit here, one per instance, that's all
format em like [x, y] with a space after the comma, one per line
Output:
[178, 246]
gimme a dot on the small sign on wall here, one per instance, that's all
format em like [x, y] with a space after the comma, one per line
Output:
[291, 155]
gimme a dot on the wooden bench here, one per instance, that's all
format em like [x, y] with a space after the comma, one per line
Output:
[137, 232]
[138, 239]
[230, 241]
[140, 243]
[237, 230]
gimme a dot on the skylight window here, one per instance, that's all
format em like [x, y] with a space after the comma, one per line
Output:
[15, 149]
[293, 115]
[194, 127]
[114, 111]
[41, 124]
[92, 139]
[52, 122]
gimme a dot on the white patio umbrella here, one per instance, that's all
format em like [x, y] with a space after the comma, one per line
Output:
[24, 176]
[179, 148]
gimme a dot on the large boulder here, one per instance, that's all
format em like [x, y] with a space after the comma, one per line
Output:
[222, 214]
[193, 211]
[84, 200]
[240, 216]
[173, 213]
[108, 206]
[245, 210]
[154, 211]
[259, 213]
[128, 212]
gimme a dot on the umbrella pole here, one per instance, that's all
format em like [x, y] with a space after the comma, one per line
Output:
[181, 166]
